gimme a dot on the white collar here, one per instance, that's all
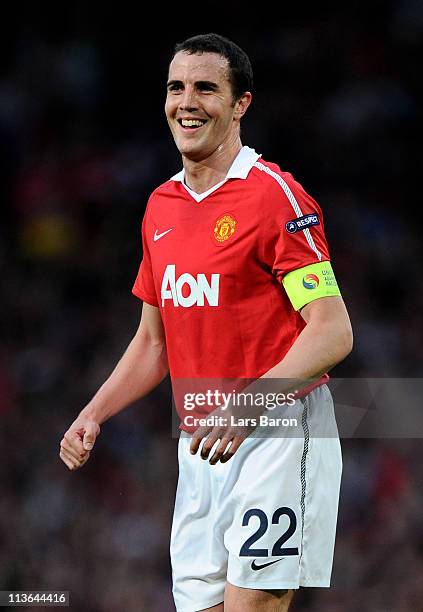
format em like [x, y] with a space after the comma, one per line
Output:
[240, 168]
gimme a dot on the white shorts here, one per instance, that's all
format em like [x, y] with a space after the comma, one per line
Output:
[264, 520]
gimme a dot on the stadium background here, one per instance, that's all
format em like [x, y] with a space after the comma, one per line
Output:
[83, 141]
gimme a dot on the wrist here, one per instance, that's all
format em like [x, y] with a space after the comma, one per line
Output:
[92, 413]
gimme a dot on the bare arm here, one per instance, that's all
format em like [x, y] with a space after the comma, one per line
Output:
[325, 341]
[142, 367]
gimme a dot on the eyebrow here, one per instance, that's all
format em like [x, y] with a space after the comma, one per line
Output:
[199, 84]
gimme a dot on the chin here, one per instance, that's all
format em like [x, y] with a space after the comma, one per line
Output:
[188, 149]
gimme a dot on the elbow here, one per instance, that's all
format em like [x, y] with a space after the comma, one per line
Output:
[157, 344]
[157, 351]
[346, 341]
[349, 342]
[151, 341]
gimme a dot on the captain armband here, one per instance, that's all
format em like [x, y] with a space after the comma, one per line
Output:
[310, 283]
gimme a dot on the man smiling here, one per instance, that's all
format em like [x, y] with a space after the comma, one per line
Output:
[236, 283]
[204, 132]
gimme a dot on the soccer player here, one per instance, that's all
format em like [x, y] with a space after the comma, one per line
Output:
[236, 282]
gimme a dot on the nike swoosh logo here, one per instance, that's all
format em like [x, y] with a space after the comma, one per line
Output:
[158, 236]
[256, 567]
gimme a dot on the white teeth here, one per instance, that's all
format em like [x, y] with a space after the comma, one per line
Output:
[191, 123]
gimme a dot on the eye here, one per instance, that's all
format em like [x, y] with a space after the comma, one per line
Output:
[174, 87]
[206, 88]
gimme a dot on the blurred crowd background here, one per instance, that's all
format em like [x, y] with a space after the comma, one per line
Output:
[83, 141]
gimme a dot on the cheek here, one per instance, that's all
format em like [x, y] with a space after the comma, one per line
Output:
[170, 108]
[225, 121]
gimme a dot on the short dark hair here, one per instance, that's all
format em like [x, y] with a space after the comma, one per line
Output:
[240, 70]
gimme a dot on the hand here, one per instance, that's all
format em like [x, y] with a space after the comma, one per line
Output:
[231, 434]
[78, 441]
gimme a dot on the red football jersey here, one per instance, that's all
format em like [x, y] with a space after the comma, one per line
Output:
[213, 263]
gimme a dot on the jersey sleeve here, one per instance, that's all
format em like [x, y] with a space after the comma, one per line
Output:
[144, 283]
[296, 247]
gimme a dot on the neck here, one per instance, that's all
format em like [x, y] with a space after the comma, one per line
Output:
[202, 175]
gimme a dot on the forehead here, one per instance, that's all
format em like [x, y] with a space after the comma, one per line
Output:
[199, 67]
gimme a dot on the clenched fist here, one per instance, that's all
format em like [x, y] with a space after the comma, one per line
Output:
[78, 441]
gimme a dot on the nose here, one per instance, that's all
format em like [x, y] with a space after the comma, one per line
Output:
[188, 100]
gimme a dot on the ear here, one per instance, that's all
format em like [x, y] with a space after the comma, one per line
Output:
[242, 104]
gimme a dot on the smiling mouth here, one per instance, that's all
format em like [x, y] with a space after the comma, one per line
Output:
[192, 124]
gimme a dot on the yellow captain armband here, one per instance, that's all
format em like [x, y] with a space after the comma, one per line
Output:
[310, 283]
